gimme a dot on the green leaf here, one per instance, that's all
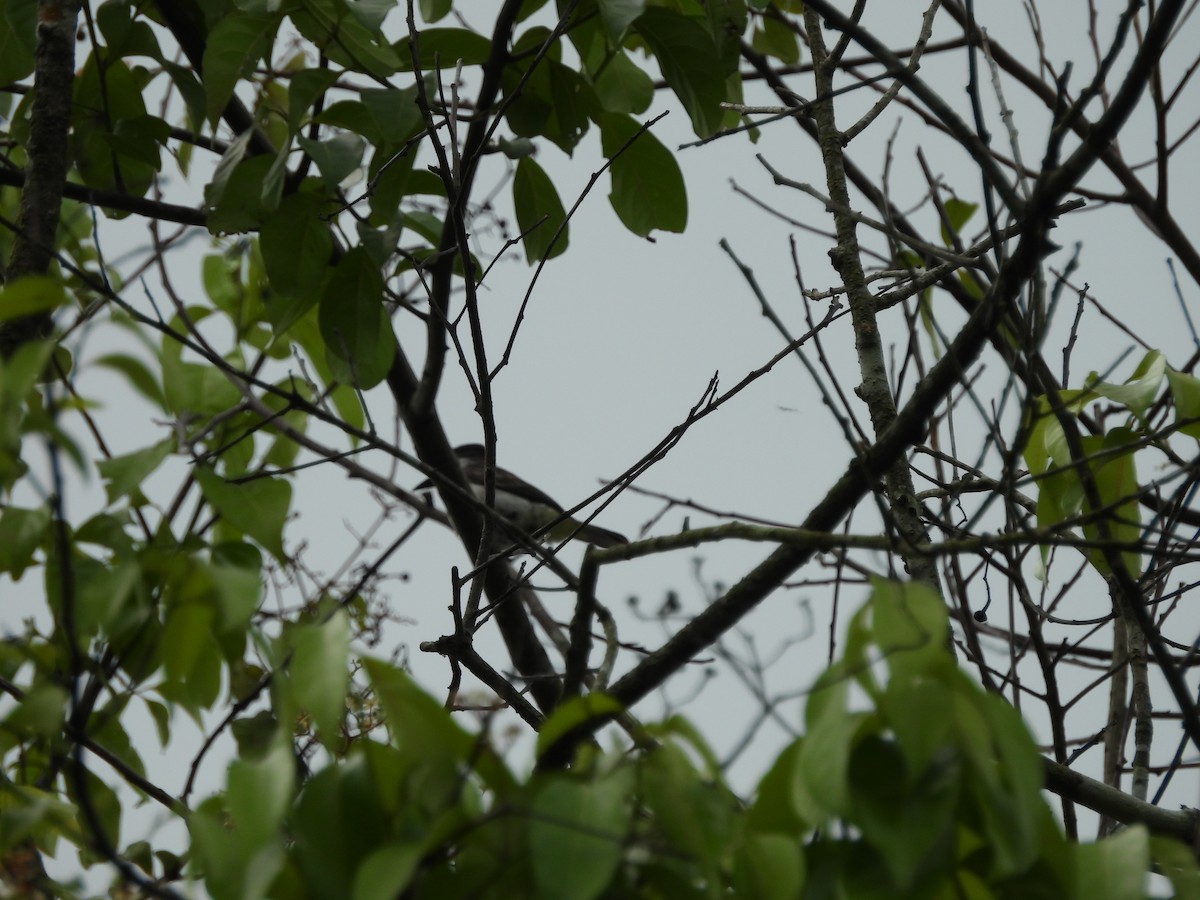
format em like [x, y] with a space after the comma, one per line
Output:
[260, 792]
[1116, 481]
[197, 388]
[414, 716]
[337, 824]
[909, 624]
[243, 204]
[351, 115]
[18, 33]
[221, 276]
[255, 735]
[395, 113]
[1114, 868]
[1140, 390]
[690, 63]
[114, 143]
[216, 850]
[235, 44]
[303, 90]
[124, 474]
[345, 401]
[31, 295]
[107, 530]
[770, 867]
[296, 248]
[359, 343]
[29, 812]
[144, 381]
[696, 816]
[284, 449]
[1177, 863]
[1110, 459]
[915, 710]
[306, 334]
[234, 869]
[103, 596]
[577, 836]
[825, 754]
[104, 805]
[622, 86]
[191, 92]
[385, 873]
[773, 809]
[139, 138]
[426, 224]
[21, 533]
[258, 507]
[234, 154]
[727, 21]
[336, 157]
[234, 199]
[237, 591]
[40, 714]
[140, 853]
[1005, 777]
[573, 713]
[905, 818]
[587, 35]
[774, 38]
[273, 182]
[554, 102]
[958, 213]
[528, 8]
[126, 34]
[162, 720]
[678, 727]
[516, 148]
[540, 214]
[648, 192]
[345, 38]
[320, 674]
[444, 47]
[618, 15]
[1046, 446]
[371, 13]
[1185, 391]
[185, 638]
[22, 371]
[432, 10]
[60, 366]
[111, 733]
[382, 117]
[236, 555]
[422, 729]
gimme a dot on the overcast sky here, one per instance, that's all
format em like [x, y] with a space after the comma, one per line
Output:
[622, 336]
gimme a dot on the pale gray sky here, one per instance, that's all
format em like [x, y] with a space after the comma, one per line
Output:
[622, 335]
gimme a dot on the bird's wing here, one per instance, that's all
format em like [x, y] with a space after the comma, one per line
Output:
[510, 483]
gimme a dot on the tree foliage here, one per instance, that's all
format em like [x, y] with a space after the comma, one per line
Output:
[340, 156]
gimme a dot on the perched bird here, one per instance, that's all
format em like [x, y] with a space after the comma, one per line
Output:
[525, 506]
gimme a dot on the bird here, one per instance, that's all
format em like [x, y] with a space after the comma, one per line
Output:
[526, 506]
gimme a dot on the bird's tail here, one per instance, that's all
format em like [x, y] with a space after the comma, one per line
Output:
[601, 537]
